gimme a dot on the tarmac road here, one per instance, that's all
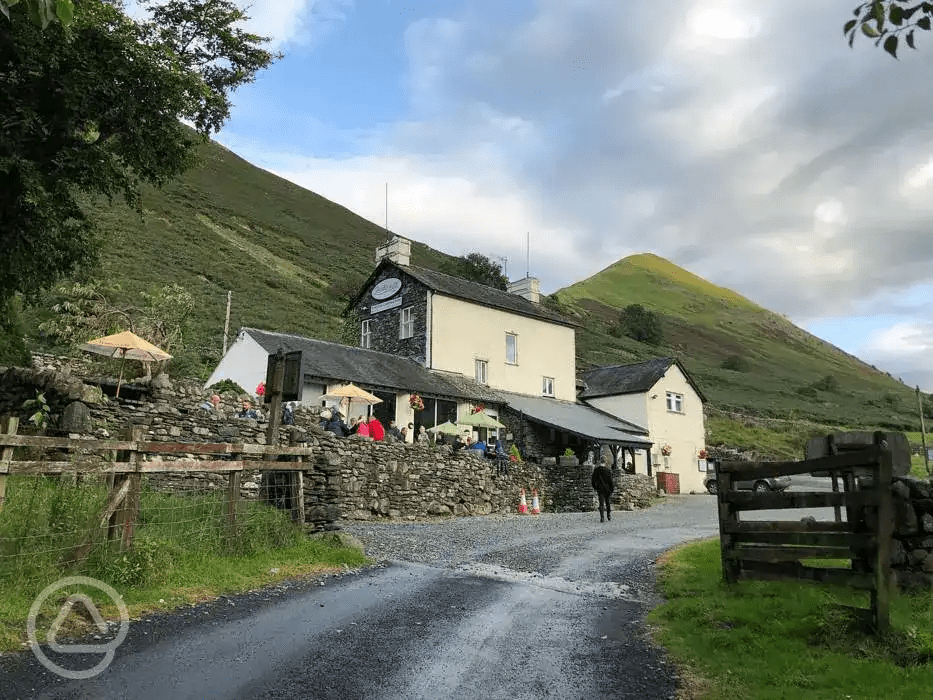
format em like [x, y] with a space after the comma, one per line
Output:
[548, 606]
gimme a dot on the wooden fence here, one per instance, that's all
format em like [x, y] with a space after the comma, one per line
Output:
[123, 462]
[778, 549]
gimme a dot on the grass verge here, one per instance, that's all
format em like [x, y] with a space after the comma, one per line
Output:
[183, 552]
[765, 640]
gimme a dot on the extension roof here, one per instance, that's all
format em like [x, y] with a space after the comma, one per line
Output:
[469, 291]
[614, 380]
[579, 419]
[328, 361]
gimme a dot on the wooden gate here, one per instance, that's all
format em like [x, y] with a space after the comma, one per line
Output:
[779, 549]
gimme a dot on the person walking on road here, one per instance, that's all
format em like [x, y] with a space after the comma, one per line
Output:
[602, 482]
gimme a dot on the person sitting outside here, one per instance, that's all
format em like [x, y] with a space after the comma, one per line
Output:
[376, 431]
[479, 448]
[459, 444]
[404, 433]
[336, 425]
[423, 438]
[212, 403]
[395, 432]
[247, 411]
[362, 427]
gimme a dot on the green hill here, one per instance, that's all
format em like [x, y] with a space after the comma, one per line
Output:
[786, 372]
[292, 258]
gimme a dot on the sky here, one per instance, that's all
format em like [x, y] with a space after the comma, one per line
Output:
[743, 141]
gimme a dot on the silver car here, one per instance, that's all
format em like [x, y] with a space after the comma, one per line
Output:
[763, 485]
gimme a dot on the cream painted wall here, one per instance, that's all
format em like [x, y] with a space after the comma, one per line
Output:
[684, 432]
[463, 332]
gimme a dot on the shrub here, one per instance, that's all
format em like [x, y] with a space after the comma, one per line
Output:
[807, 391]
[736, 363]
[227, 385]
[641, 324]
[827, 383]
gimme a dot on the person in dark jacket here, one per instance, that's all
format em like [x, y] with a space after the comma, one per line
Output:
[602, 482]
[336, 425]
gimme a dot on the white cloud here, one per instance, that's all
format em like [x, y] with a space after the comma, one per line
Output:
[906, 350]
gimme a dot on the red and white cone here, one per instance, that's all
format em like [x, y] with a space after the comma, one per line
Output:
[535, 508]
[522, 504]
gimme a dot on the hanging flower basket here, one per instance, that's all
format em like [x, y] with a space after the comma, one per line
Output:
[416, 402]
[478, 408]
[666, 450]
[701, 454]
[261, 389]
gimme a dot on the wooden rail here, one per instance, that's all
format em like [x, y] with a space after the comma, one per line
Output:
[124, 462]
[777, 549]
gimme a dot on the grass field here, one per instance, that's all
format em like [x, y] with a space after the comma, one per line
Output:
[776, 640]
[183, 550]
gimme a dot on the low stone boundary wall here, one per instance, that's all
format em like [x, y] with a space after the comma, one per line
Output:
[347, 478]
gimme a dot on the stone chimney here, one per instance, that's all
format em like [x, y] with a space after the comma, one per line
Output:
[396, 249]
[526, 287]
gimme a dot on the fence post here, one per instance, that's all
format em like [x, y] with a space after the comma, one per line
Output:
[10, 425]
[127, 513]
[233, 493]
[298, 495]
[881, 592]
[730, 567]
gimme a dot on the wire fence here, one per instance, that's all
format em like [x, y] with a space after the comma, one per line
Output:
[122, 509]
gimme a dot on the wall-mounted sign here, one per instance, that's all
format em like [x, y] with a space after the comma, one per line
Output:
[391, 304]
[386, 288]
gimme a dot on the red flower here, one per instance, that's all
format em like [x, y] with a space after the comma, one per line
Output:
[261, 389]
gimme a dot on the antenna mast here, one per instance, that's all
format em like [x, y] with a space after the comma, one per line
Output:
[527, 254]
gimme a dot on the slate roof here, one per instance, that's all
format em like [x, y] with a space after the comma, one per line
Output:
[328, 361]
[469, 291]
[579, 419]
[614, 380]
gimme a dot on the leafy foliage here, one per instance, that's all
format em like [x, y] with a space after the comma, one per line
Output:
[476, 267]
[12, 345]
[887, 21]
[736, 363]
[40, 417]
[641, 324]
[95, 109]
[42, 12]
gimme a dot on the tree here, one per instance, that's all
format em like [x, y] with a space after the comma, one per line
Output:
[886, 21]
[641, 324]
[95, 109]
[476, 267]
[41, 12]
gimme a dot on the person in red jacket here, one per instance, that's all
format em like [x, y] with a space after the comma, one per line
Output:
[376, 431]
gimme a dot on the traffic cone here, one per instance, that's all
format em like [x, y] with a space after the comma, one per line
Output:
[535, 508]
[522, 504]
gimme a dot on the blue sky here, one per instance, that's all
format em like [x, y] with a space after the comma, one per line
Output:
[743, 141]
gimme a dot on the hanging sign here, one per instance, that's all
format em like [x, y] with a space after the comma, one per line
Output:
[388, 287]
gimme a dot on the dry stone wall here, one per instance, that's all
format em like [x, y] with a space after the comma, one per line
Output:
[347, 478]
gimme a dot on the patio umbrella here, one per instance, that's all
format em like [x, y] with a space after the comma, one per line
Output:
[481, 419]
[351, 392]
[125, 345]
[446, 428]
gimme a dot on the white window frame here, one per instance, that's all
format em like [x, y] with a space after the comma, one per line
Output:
[514, 360]
[547, 386]
[406, 322]
[366, 334]
[675, 402]
[481, 371]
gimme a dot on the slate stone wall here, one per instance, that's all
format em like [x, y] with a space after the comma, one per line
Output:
[347, 478]
[385, 324]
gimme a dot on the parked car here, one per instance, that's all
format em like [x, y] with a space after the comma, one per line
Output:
[763, 485]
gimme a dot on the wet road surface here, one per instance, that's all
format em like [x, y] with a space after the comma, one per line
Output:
[553, 610]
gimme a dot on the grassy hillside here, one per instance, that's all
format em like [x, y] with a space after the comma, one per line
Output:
[705, 324]
[289, 255]
[292, 257]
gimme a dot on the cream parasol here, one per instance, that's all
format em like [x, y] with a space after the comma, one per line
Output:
[480, 419]
[351, 392]
[125, 345]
